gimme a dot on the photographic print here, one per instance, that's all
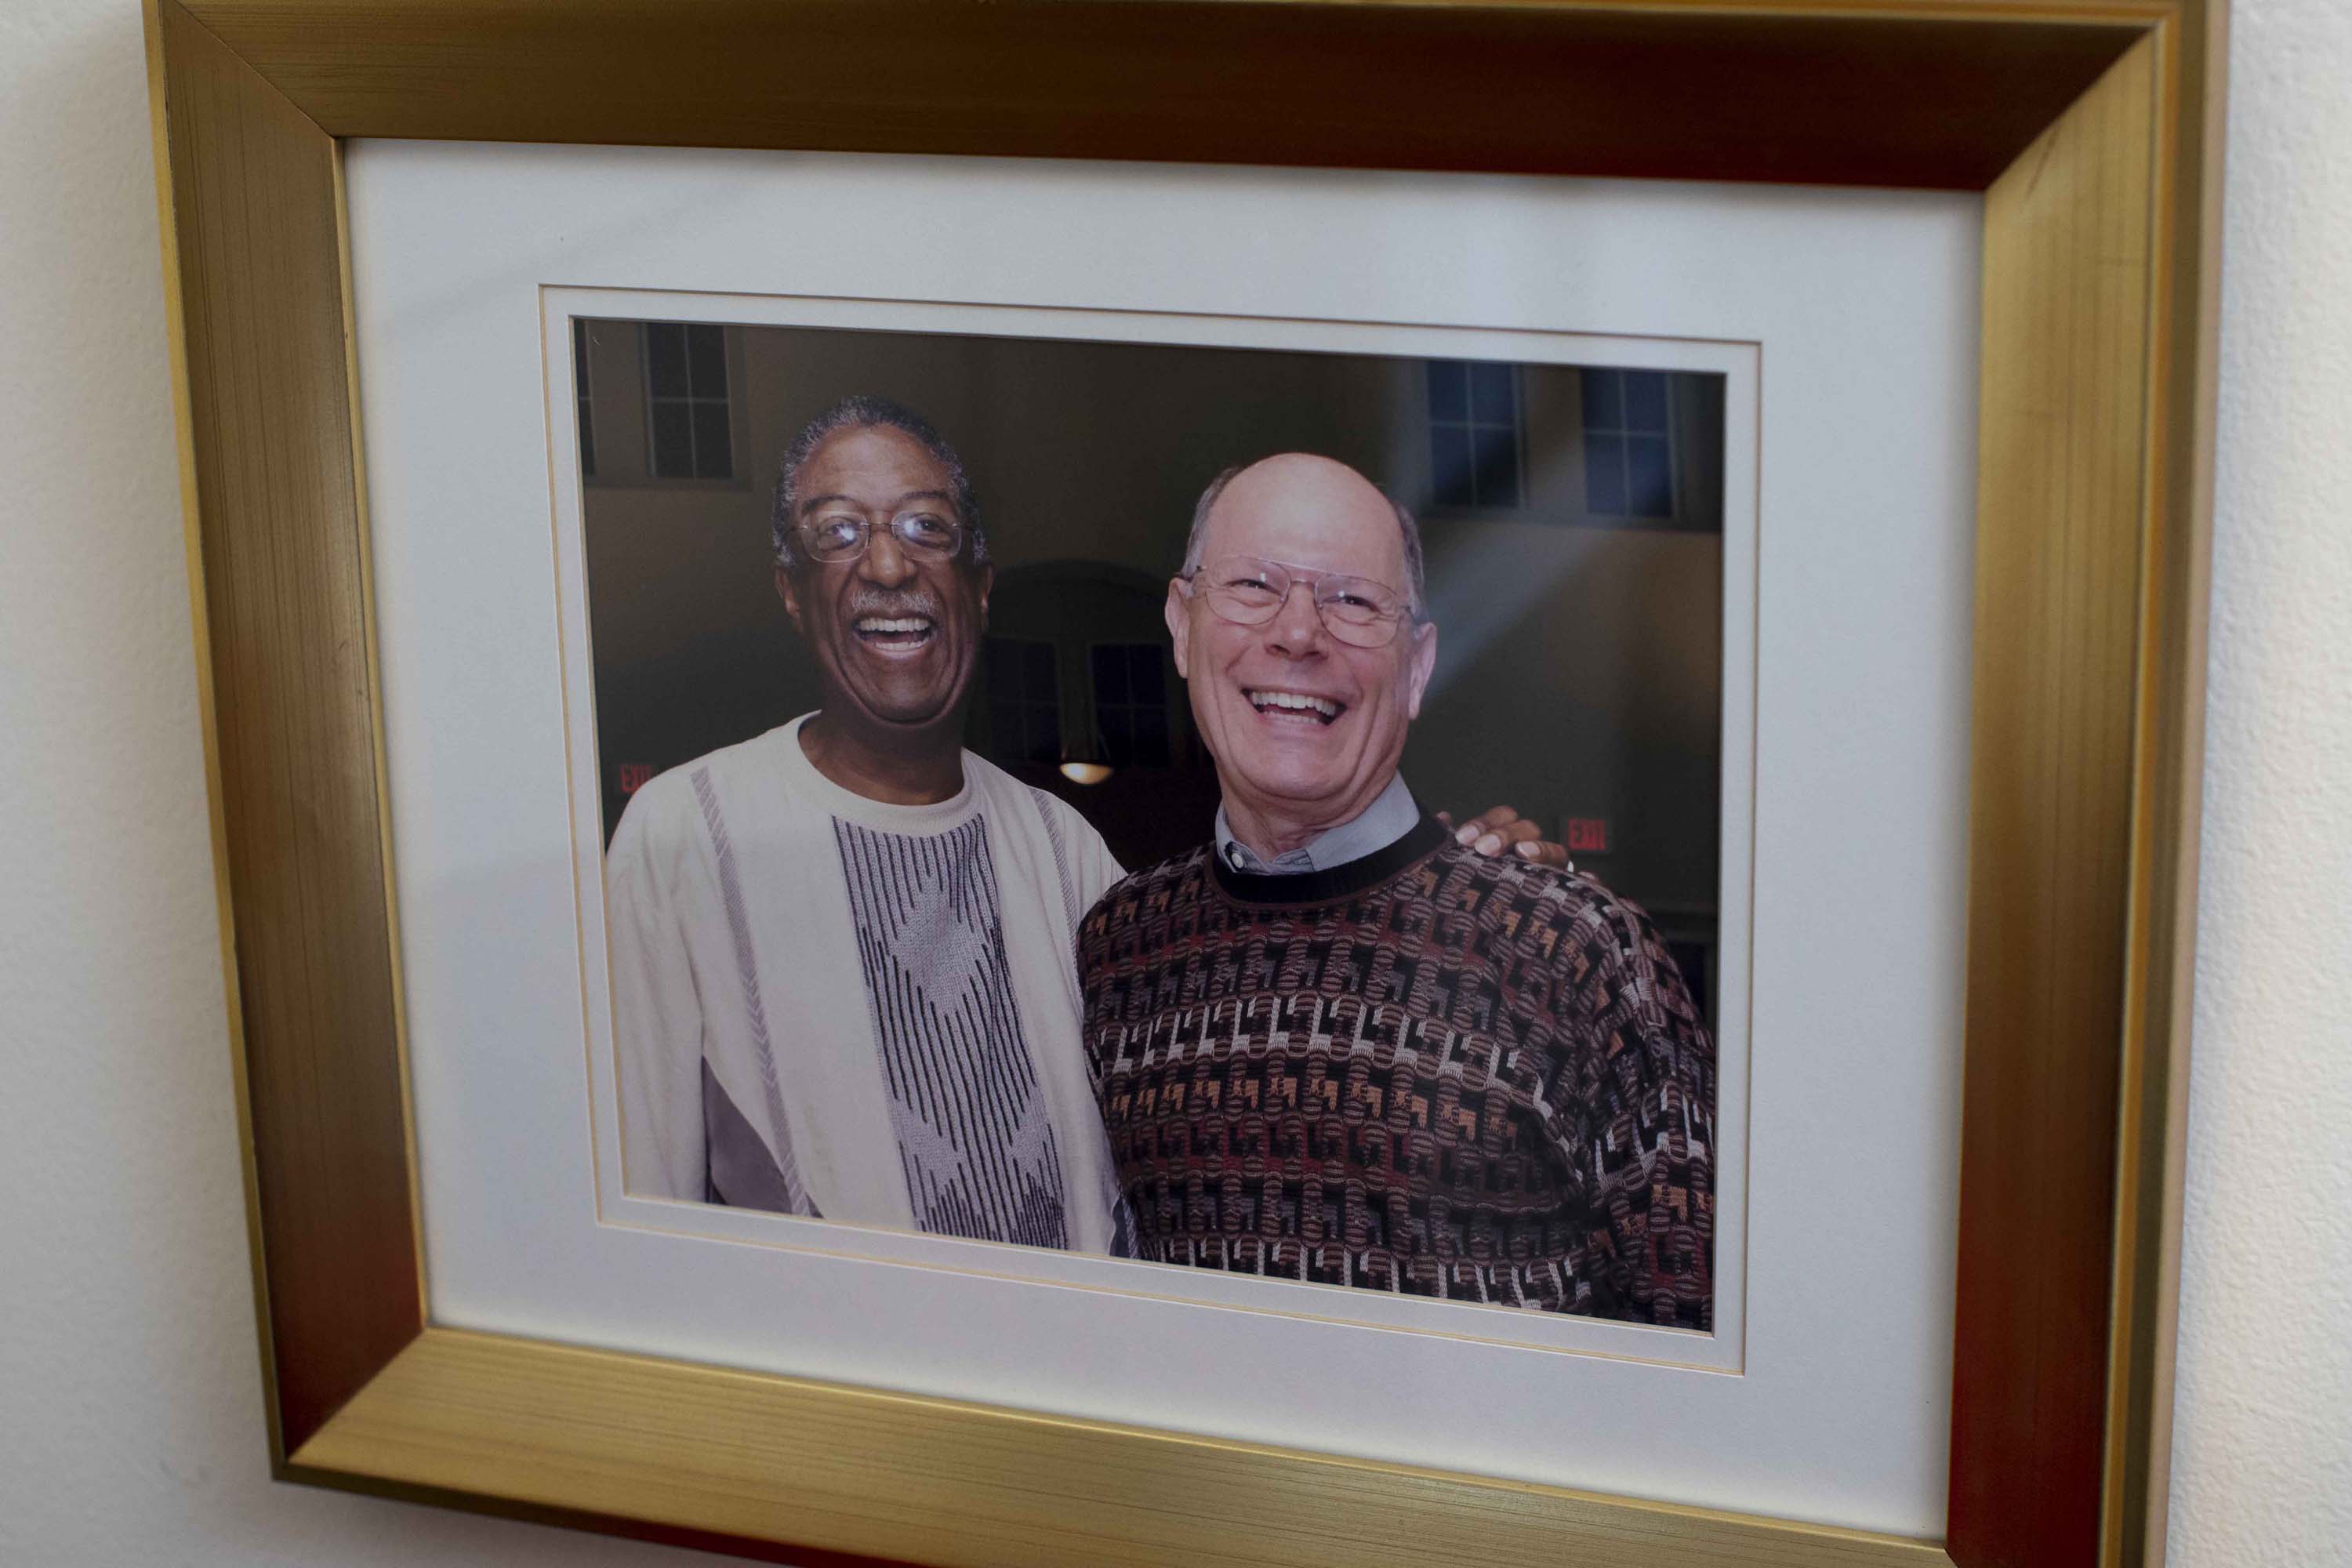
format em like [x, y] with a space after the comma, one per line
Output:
[1232, 808]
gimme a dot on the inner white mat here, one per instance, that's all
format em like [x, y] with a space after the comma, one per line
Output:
[1830, 1399]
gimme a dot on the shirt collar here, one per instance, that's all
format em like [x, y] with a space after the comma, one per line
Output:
[1389, 817]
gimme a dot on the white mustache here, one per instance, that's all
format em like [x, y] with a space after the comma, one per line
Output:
[893, 606]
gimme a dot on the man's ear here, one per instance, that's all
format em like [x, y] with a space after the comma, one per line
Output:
[987, 580]
[791, 598]
[1424, 662]
[1180, 625]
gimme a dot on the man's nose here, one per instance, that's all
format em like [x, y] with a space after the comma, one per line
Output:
[886, 561]
[1297, 626]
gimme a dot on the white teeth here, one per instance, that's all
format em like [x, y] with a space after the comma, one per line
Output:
[904, 624]
[1297, 701]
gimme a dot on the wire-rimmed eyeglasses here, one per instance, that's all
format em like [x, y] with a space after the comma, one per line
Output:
[1250, 592]
[836, 537]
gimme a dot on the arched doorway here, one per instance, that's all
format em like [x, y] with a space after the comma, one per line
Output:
[1078, 684]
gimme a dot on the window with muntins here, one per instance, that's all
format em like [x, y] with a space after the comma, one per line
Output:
[1475, 433]
[1025, 700]
[691, 434]
[1629, 455]
[1130, 704]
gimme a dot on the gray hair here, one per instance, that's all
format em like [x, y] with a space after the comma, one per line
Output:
[1408, 532]
[863, 411]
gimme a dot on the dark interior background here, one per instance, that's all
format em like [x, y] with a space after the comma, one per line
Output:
[1572, 519]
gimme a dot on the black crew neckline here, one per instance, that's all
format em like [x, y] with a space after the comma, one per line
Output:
[1422, 839]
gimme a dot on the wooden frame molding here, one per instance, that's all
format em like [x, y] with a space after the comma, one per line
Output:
[755, 1457]
[2093, 128]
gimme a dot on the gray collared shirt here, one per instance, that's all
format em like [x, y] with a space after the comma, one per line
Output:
[1389, 817]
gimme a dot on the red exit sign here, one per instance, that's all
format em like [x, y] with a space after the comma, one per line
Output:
[634, 775]
[1588, 836]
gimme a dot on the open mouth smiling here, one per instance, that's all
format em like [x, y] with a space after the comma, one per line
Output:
[1295, 706]
[901, 633]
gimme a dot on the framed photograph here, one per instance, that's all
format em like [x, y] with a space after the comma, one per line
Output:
[1603, 488]
[673, 1110]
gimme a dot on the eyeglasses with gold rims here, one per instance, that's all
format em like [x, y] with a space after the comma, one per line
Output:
[1250, 592]
[837, 537]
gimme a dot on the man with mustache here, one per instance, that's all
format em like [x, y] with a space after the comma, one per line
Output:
[1333, 1046]
[842, 974]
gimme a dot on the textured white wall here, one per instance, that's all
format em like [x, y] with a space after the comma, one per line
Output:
[129, 1401]
[127, 1373]
[2262, 1443]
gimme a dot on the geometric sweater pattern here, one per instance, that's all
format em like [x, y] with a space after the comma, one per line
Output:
[1426, 1072]
[973, 1136]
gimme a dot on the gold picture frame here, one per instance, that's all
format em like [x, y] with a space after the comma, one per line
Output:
[2093, 128]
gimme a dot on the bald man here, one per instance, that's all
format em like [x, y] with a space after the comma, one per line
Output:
[1333, 1044]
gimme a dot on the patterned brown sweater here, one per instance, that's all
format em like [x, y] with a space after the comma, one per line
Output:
[1424, 1071]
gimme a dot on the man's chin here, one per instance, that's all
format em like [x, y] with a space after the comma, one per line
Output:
[1299, 756]
[913, 719]
[1298, 792]
[909, 714]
